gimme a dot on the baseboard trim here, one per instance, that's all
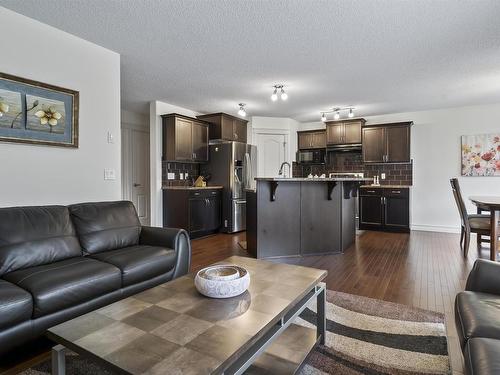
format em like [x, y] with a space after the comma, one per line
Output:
[435, 228]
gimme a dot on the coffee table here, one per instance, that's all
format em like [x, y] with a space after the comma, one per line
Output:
[172, 328]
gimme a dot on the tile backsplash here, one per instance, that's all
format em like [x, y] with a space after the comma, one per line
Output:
[192, 169]
[396, 174]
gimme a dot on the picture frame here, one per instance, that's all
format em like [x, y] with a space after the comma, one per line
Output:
[37, 113]
[480, 155]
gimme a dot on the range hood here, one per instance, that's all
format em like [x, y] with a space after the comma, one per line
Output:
[353, 147]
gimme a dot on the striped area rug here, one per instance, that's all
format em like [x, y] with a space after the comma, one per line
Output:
[369, 336]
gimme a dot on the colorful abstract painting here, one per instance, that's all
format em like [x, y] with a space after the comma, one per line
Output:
[37, 113]
[481, 155]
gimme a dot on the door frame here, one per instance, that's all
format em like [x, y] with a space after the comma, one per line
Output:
[265, 131]
[126, 156]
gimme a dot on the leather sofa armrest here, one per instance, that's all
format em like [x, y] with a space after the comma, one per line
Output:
[484, 277]
[177, 239]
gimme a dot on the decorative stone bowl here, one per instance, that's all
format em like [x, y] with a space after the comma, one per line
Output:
[221, 281]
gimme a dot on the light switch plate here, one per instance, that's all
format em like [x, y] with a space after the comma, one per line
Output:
[109, 174]
[171, 176]
[382, 176]
[111, 138]
[181, 176]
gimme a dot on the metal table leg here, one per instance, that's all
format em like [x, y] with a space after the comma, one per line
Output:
[58, 360]
[321, 316]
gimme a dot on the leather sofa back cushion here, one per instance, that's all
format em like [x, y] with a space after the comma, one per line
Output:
[106, 225]
[33, 236]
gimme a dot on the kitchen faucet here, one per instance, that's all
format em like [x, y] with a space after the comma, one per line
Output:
[281, 168]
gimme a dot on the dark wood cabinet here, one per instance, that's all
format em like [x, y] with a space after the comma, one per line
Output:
[196, 210]
[373, 145]
[184, 139]
[344, 132]
[200, 142]
[226, 127]
[387, 143]
[384, 209]
[311, 139]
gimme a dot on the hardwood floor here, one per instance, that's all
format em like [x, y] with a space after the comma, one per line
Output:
[421, 269]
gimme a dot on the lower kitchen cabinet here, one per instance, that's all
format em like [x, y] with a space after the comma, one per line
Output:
[196, 210]
[385, 209]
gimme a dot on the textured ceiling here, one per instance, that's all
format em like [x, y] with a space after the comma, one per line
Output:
[380, 56]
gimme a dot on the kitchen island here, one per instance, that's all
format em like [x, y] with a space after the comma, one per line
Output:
[301, 216]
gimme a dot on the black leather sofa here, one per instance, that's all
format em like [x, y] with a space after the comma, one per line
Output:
[477, 317]
[59, 262]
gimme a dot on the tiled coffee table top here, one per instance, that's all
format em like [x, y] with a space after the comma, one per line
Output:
[173, 329]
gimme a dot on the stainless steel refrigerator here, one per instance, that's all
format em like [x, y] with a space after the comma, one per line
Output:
[232, 165]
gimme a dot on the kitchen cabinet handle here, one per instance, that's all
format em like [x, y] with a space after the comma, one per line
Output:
[371, 191]
[396, 191]
[137, 185]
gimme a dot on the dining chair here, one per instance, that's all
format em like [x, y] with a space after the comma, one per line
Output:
[470, 223]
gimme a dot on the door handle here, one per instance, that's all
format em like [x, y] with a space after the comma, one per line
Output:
[136, 184]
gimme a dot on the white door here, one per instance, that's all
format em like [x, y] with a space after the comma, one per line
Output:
[135, 146]
[272, 150]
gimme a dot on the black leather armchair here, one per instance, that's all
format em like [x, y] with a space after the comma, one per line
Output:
[60, 262]
[477, 318]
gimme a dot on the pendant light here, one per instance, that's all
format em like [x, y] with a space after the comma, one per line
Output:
[284, 95]
[336, 116]
[323, 117]
[351, 113]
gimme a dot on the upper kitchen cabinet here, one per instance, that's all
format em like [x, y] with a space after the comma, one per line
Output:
[184, 139]
[226, 127]
[387, 143]
[345, 132]
[311, 139]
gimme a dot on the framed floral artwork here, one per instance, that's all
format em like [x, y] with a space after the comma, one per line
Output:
[481, 155]
[37, 113]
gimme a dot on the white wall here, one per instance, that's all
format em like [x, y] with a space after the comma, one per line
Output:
[435, 150]
[37, 175]
[157, 108]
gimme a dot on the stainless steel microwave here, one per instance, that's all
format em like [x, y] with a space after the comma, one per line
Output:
[311, 156]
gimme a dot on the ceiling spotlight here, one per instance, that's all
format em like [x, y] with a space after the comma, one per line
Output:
[242, 111]
[336, 116]
[274, 96]
[351, 113]
[284, 95]
[323, 117]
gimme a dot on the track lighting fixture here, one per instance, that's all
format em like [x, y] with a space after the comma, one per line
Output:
[242, 111]
[283, 95]
[336, 113]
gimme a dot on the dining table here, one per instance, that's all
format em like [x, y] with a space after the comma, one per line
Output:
[491, 204]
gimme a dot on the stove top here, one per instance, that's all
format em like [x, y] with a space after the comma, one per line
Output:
[346, 175]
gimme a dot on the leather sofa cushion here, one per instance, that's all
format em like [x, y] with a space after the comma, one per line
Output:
[16, 304]
[32, 236]
[478, 315]
[139, 263]
[106, 225]
[482, 356]
[66, 283]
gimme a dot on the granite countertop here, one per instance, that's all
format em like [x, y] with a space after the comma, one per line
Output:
[385, 186]
[191, 187]
[318, 179]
